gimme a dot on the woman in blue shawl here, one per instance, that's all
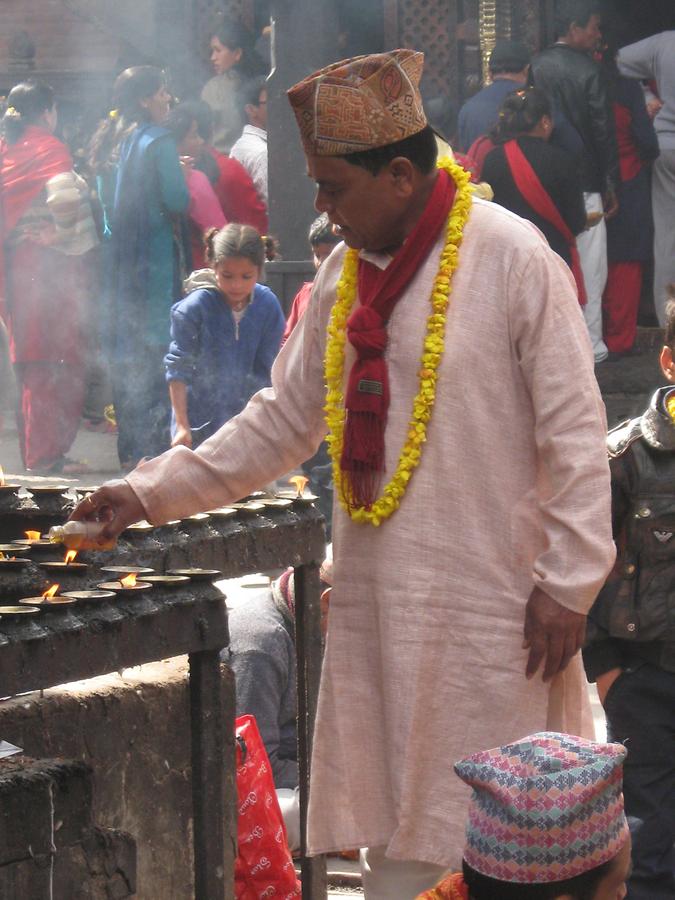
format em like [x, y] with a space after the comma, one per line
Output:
[144, 196]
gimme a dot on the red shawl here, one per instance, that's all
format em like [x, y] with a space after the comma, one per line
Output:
[25, 168]
[367, 396]
[534, 192]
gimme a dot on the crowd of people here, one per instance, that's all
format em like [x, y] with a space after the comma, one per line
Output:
[476, 529]
[84, 258]
[577, 129]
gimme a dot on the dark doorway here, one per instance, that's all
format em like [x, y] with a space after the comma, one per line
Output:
[632, 20]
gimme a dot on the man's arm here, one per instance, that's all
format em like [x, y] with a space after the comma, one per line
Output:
[638, 60]
[551, 343]
[601, 120]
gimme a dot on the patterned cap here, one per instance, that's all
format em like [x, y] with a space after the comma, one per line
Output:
[360, 103]
[546, 808]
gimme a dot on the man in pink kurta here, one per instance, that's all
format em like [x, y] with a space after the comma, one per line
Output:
[505, 521]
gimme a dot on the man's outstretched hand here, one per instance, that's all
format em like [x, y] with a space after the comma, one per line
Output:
[113, 503]
[552, 633]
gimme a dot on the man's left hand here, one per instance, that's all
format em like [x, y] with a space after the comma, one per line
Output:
[610, 204]
[553, 634]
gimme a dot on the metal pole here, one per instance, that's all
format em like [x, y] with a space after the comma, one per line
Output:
[213, 860]
[309, 654]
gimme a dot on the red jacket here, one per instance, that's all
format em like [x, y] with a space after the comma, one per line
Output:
[237, 195]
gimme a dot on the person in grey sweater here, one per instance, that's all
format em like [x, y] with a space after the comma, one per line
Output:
[653, 59]
[261, 654]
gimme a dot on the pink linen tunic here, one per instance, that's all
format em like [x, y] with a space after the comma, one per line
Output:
[424, 661]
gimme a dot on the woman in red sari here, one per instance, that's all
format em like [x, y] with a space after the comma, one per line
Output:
[47, 232]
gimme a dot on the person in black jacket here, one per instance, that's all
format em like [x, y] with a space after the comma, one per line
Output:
[526, 118]
[575, 84]
[630, 643]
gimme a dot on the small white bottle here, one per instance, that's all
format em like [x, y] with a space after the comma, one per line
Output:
[81, 536]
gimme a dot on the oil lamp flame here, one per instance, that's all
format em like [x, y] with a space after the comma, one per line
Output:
[70, 557]
[299, 482]
[2, 555]
[2, 477]
[129, 581]
[33, 535]
[49, 593]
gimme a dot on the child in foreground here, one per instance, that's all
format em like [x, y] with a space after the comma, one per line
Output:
[225, 336]
[545, 822]
[630, 645]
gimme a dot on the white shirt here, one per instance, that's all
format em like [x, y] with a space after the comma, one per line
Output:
[251, 151]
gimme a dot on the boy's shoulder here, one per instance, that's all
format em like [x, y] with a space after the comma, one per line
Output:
[623, 436]
[655, 427]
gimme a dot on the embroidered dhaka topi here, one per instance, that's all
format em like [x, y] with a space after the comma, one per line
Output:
[360, 103]
[546, 808]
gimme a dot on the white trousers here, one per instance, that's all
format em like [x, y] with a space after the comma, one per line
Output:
[289, 804]
[592, 246]
[396, 879]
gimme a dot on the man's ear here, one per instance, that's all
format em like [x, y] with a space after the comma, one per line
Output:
[402, 173]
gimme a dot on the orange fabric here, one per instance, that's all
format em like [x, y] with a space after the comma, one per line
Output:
[452, 887]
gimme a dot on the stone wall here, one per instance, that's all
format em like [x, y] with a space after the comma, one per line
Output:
[133, 731]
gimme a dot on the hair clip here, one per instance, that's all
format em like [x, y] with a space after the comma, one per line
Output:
[114, 114]
[13, 112]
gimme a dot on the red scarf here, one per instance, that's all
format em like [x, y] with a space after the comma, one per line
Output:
[534, 192]
[367, 396]
[25, 168]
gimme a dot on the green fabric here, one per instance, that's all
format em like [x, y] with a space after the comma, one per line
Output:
[170, 198]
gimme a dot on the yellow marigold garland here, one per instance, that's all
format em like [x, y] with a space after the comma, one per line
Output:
[434, 343]
[670, 406]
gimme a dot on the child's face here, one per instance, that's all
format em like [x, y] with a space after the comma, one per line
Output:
[321, 252]
[236, 277]
[667, 364]
[613, 885]
[222, 58]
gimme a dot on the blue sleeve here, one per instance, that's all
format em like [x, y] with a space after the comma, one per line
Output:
[172, 187]
[270, 341]
[181, 360]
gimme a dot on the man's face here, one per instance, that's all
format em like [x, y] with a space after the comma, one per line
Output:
[257, 115]
[366, 209]
[586, 37]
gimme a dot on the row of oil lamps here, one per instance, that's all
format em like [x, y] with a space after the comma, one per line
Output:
[13, 555]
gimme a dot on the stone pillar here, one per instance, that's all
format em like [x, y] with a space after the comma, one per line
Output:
[304, 38]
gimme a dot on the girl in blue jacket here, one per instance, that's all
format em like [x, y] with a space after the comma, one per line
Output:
[224, 336]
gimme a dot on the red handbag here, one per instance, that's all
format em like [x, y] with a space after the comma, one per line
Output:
[264, 867]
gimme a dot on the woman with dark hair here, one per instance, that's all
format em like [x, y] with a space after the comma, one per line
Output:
[231, 182]
[204, 211]
[46, 233]
[233, 59]
[534, 179]
[143, 194]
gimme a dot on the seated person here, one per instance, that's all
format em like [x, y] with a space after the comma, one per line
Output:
[546, 822]
[261, 654]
